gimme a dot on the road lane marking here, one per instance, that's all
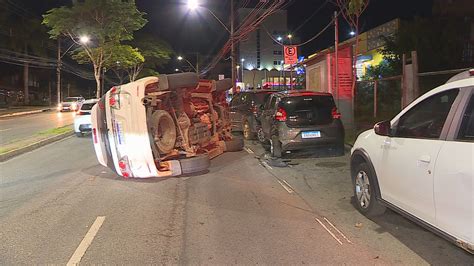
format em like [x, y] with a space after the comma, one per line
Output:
[86, 241]
[6, 129]
[266, 165]
[288, 189]
[248, 150]
[337, 230]
[286, 183]
[329, 231]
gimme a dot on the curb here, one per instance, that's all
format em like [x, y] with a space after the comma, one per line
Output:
[8, 155]
[26, 113]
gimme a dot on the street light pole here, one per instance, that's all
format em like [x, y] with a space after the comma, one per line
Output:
[232, 55]
[58, 73]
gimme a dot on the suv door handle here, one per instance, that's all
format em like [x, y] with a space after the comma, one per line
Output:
[425, 158]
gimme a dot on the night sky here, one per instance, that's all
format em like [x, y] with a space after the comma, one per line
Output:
[190, 32]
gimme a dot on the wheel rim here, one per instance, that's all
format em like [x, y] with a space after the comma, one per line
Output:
[271, 147]
[260, 136]
[246, 130]
[362, 189]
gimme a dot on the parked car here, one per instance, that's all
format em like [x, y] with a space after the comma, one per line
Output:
[82, 120]
[70, 104]
[163, 126]
[301, 120]
[245, 112]
[420, 163]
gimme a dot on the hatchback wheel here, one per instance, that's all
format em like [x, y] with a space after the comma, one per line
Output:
[364, 191]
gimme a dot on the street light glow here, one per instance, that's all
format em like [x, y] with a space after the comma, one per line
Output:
[193, 4]
[180, 58]
[84, 39]
[177, 70]
[243, 59]
[290, 36]
[352, 33]
[279, 38]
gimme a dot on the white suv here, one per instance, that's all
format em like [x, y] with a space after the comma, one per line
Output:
[421, 163]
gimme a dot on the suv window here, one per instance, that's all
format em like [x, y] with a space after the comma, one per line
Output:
[87, 106]
[426, 119]
[466, 131]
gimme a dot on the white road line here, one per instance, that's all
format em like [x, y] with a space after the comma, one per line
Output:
[6, 129]
[248, 150]
[265, 164]
[286, 183]
[335, 228]
[86, 241]
[329, 231]
[289, 190]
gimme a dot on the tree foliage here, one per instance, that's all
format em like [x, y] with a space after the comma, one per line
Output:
[107, 22]
[439, 43]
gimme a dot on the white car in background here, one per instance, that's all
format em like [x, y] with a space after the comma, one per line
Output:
[70, 104]
[82, 120]
[421, 163]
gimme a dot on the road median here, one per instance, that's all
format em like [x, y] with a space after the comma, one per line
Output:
[40, 139]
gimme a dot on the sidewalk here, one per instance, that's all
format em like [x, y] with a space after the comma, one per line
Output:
[23, 110]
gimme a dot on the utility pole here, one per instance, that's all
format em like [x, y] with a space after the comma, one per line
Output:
[336, 60]
[232, 55]
[58, 73]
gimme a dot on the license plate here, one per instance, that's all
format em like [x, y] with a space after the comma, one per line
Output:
[311, 134]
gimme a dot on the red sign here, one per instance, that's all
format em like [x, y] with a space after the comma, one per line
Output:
[291, 54]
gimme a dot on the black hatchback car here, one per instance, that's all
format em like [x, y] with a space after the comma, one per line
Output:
[301, 120]
[245, 112]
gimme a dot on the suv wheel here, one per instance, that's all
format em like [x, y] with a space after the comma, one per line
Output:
[275, 147]
[261, 136]
[364, 191]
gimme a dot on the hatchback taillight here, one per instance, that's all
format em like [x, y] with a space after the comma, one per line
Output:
[114, 98]
[94, 135]
[335, 114]
[280, 114]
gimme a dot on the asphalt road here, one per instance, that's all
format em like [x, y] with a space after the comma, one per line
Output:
[238, 212]
[20, 127]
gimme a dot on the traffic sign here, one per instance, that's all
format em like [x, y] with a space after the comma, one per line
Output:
[291, 54]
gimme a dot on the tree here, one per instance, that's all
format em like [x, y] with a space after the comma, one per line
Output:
[156, 53]
[125, 61]
[107, 22]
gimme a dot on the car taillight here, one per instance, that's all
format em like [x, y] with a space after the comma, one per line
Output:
[335, 114]
[94, 135]
[124, 167]
[280, 114]
[471, 72]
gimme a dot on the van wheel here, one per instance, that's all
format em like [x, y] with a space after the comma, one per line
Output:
[236, 144]
[163, 130]
[275, 147]
[363, 181]
[196, 164]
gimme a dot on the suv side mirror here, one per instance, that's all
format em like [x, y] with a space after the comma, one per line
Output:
[382, 128]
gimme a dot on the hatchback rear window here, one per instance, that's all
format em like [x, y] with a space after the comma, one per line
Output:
[87, 106]
[308, 110]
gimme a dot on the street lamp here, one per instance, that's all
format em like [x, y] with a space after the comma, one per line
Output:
[279, 38]
[180, 58]
[194, 5]
[84, 39]
[289, 36]
[352, 33]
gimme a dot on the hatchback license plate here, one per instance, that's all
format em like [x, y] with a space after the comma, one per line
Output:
[311, 134]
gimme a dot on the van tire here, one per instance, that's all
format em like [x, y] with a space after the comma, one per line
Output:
[196, 164]
[163, 129]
